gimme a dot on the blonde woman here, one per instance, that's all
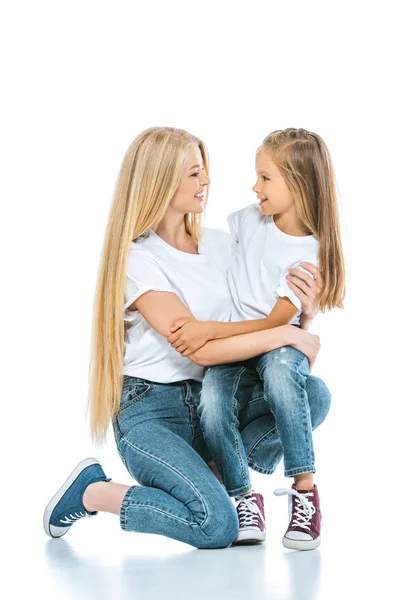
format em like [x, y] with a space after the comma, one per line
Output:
[158, 266]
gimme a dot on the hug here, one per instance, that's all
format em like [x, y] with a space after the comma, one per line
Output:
[201, 356]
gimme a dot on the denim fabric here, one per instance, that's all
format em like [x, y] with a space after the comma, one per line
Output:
[178, 495]
[256, 411]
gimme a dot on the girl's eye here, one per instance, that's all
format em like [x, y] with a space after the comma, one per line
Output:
[265, 178]
[195, 174]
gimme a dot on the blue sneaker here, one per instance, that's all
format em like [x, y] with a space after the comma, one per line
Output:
[66, 506]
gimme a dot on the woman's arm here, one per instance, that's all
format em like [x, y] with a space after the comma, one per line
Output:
[161, 309]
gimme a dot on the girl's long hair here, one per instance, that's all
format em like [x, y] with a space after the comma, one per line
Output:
[306, 165]
[149, 177]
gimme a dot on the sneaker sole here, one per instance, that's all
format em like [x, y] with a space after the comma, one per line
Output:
[87, 462]
[301, 545]
[249, 537]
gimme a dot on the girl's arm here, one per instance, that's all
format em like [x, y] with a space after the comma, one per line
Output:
[188, 336]
[242, 347]
[307, 290]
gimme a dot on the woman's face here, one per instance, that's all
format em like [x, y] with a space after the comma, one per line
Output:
[189, 197]
[272, 192]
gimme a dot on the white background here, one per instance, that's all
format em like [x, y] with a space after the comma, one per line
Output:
[79, 81]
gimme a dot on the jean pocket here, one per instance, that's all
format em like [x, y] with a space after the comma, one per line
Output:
[133, 393]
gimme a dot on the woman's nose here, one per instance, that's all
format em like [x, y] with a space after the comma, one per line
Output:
[205, 179]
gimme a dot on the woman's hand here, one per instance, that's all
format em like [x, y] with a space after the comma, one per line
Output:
[307, 343]
[188, 336]
[306, 288]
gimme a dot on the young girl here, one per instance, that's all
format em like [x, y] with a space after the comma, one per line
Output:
[294, 225]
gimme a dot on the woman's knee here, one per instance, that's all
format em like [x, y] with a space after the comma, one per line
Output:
[222, 526]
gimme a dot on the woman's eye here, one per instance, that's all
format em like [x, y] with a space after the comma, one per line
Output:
[265, 178]
[196, 174]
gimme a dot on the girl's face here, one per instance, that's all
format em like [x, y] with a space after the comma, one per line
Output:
[189, 197]
[272, 192]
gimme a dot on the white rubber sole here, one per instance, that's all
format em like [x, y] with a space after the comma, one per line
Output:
[249, 536]
[60, 493]
[301, 545]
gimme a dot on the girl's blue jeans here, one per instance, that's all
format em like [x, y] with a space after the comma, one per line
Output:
[254, 412]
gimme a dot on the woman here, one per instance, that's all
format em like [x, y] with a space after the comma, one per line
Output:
[149, 391]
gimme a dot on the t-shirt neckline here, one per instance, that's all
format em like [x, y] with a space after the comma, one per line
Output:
[292, 239]
[200, 257]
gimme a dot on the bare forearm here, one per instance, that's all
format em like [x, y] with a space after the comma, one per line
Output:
[241, 347]
[220, 330]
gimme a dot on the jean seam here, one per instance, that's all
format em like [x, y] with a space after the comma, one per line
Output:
[303, 400]
[238, 491]
[165, 512]
[260, 469]
[163, 462]
[189, 406]
[234, 429]
[124, 505]
[265, 436]
[299, 470]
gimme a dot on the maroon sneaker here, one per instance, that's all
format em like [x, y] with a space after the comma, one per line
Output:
[250, 511]
[304, 531]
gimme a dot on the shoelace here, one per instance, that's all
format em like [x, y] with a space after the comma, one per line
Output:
[303, 510]
[72, 518]
[248, 511]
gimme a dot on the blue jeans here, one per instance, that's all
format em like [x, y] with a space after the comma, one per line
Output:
[178, 495]
[254, 412]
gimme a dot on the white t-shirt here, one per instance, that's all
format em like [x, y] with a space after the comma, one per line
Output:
[262, 257]
[199, 280]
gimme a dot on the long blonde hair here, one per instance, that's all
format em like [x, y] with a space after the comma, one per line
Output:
[306, 165]
[149, 177]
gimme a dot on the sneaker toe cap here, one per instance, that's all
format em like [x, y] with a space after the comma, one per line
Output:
[57, 532]
[298, 536]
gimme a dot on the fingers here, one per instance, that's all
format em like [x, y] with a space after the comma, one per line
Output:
[181, 348]
[178, 343]
[299, 293]
[315, 272]
[178, 324]
[304, 277]
[173, 337]
[302, 285]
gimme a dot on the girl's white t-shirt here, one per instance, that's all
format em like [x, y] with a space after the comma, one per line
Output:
[199, 280]
[262, 257]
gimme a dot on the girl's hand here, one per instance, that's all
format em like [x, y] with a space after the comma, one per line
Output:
[307, 343]
[189, 336]
[306, 288]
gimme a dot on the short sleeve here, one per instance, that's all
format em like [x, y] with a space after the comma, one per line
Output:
[143, 275]
[284, 290]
